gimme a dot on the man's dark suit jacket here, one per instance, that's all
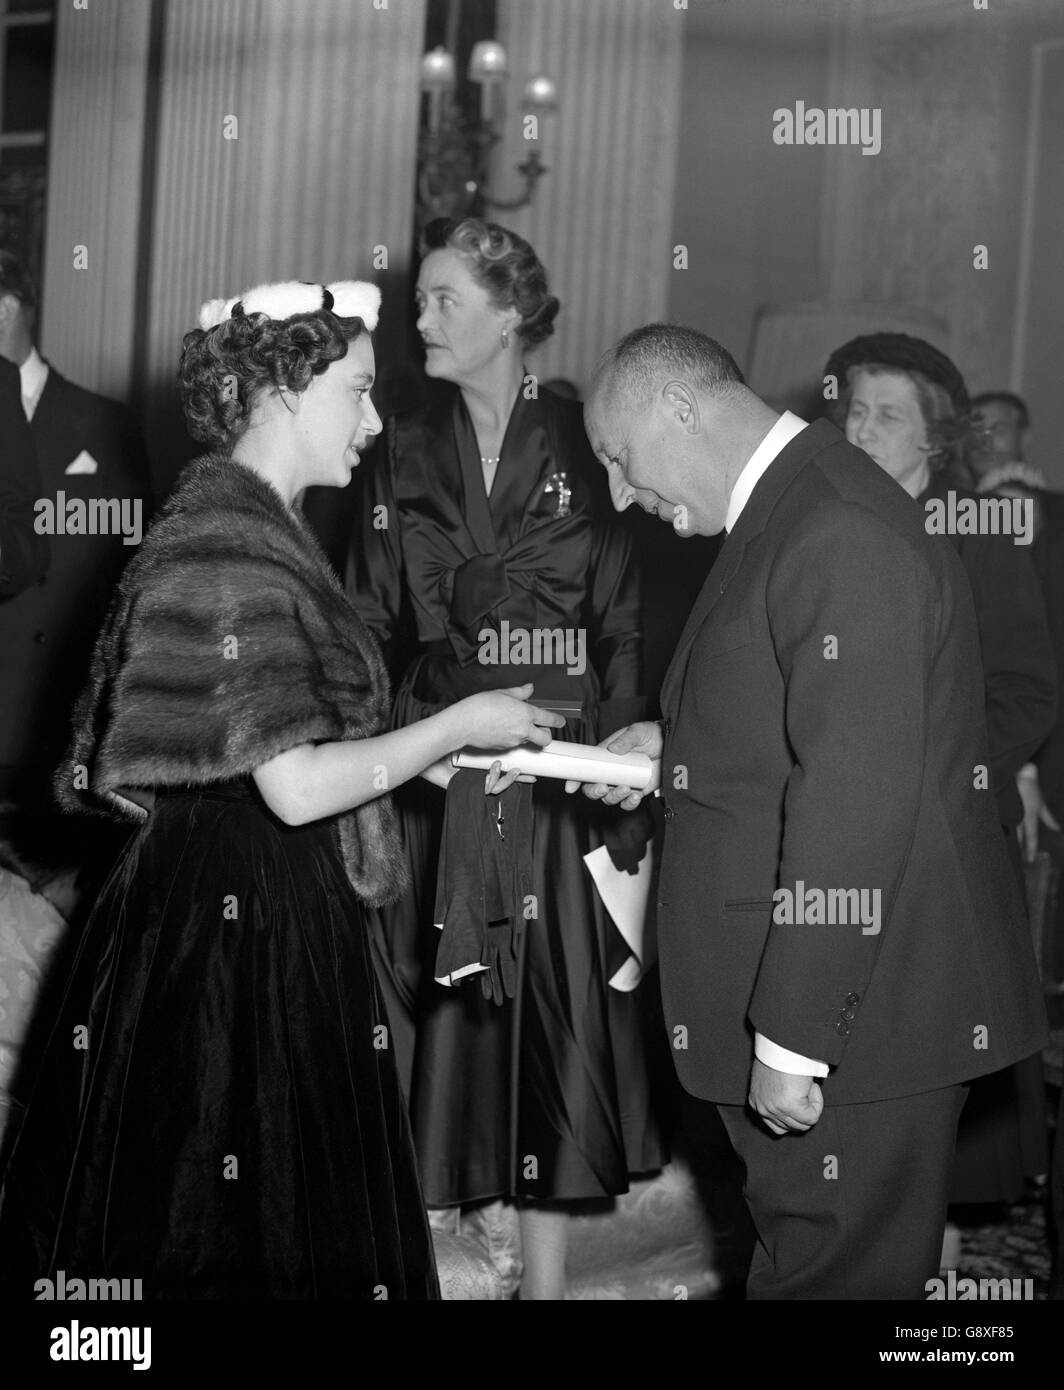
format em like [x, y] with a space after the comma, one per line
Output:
[48, 631]
[855, 768]
[23, 554]
[1014, 638]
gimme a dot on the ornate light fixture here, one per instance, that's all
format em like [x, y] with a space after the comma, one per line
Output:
[454, 151]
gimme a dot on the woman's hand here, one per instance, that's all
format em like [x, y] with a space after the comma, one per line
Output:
[1035, 811]
[440, 772]
[498, 781]
[504, 719]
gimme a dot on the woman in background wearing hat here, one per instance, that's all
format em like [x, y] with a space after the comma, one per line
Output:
[905, 404]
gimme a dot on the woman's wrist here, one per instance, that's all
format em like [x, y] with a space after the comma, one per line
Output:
[453, 734]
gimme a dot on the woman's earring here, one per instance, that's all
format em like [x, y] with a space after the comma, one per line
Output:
[505, 337]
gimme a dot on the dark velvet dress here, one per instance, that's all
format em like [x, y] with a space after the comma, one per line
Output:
[548, 1094]
[230, 1129]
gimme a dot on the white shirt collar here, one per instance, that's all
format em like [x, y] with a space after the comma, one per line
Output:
[778, 437]
[34, 374]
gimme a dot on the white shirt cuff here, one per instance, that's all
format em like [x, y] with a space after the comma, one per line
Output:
[780, 1059]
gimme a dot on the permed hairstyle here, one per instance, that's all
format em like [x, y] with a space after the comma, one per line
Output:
[646, 358]
[947, 431]
[505, 266]
[225, 370]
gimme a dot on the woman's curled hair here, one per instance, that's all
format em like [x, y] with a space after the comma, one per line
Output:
[226, 369]
[505, 266]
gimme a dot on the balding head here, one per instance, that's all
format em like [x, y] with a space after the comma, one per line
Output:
[670, 416]
[634, 371]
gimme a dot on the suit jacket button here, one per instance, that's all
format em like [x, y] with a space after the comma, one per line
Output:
[852, 999]
[39, 638]
[669, 813]
[849, 1015]
[843, 1029]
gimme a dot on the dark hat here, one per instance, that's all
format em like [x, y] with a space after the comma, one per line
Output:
[905, 354]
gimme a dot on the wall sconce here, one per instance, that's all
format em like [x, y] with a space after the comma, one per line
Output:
[454, 152]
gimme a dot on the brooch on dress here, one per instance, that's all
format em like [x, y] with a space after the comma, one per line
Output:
[558, 483]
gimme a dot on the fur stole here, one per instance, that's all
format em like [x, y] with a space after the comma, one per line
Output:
[229, 640]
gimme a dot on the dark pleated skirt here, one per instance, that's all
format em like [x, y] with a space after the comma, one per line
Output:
[548, 1095]
[233, 1126]
[1002, 1138]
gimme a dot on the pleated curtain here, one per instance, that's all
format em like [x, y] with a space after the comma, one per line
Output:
[286, 150]
[602, 218]
[95, 151]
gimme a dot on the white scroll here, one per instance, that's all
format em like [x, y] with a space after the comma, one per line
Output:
[571, 762]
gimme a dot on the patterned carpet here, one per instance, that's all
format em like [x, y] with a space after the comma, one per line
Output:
[1011, 1242]
[1006, 1243]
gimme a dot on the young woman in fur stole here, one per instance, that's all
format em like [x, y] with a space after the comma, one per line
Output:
[217, 1112]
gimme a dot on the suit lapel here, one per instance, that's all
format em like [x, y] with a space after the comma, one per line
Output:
[770, 487]
[724, 568]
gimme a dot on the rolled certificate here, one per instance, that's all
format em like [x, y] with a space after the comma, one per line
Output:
[572, 762]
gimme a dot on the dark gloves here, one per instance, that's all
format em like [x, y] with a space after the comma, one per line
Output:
[484, 878]
[507, 865]
[501, 942]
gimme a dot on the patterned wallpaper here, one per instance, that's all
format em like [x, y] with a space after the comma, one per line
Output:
[905, 221]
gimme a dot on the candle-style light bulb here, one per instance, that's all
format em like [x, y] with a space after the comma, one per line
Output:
[437, 71]
[541, 93]
[487, 62]
[436, 78]
[487, 67]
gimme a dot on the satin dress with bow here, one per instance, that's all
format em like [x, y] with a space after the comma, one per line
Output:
[546, 1095]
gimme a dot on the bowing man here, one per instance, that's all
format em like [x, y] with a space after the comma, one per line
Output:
[842, 943]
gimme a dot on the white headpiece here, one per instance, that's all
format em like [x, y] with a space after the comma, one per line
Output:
[347, 299]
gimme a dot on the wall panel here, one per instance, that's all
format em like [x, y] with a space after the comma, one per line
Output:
[95, 153]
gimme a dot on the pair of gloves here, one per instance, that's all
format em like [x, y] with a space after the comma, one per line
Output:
[485, 875]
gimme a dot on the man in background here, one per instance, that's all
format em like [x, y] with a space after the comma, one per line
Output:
[1001, 424]
[87, 448]
[23, 553]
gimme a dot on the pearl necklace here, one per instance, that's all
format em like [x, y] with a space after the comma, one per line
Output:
[488, 462]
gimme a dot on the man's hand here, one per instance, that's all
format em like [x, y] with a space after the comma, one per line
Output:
[1035, 811]
[787, 1104]
[644, 737]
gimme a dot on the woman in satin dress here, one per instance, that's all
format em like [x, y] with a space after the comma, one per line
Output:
[489, 514]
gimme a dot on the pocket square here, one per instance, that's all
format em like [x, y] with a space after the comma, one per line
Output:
[84, 463]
